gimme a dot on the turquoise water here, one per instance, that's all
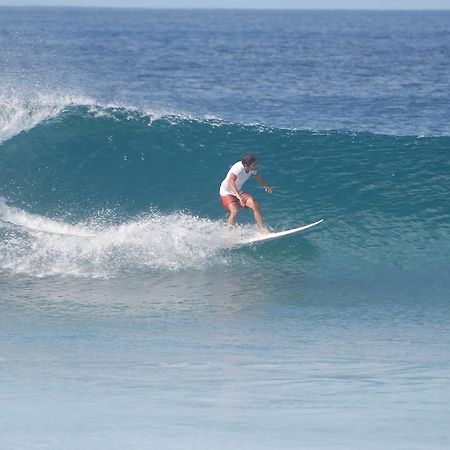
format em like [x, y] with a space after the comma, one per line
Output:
[128, 316]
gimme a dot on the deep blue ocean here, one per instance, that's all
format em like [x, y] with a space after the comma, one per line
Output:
[130, 318]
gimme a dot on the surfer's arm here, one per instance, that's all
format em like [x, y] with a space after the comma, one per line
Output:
[263, 183]
[233, 187]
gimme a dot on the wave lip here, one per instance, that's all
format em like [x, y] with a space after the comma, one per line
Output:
[22, 113]
[19, 114]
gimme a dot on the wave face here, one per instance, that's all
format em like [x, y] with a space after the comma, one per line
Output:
[88, 177]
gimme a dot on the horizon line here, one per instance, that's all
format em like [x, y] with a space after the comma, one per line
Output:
[224, 8]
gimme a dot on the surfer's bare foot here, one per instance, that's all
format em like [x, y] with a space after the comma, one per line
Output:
[264, 232]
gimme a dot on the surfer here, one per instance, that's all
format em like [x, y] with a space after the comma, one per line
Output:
[232, 196]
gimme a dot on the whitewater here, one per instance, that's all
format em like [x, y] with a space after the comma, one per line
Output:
[130, 316]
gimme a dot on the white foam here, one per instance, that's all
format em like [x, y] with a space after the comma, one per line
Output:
[34, 222]
[39, 246]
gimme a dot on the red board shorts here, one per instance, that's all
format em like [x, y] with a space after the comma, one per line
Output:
[228, 199]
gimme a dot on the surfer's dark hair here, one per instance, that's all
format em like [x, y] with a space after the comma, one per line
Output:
[248, 158]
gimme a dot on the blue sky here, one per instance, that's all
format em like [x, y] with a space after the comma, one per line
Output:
[281, 4]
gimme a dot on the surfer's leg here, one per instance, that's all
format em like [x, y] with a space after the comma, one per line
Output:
[250, 203]
[233, 208]
[231, 204]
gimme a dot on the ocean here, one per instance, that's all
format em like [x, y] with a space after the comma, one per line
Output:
[130, 316]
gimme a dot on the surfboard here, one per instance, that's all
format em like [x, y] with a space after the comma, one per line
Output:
[279, 234]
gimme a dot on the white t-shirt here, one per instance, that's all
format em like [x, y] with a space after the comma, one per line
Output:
[241, 177]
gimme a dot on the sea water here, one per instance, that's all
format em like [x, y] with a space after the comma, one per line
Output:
[130, 318]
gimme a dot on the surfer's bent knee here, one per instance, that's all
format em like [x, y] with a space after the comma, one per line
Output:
[252, 203]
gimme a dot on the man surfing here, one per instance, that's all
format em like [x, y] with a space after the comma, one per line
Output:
[232, 196]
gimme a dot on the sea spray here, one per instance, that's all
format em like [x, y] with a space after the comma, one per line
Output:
[40, 246]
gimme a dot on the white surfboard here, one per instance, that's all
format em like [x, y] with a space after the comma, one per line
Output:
[279, 234]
